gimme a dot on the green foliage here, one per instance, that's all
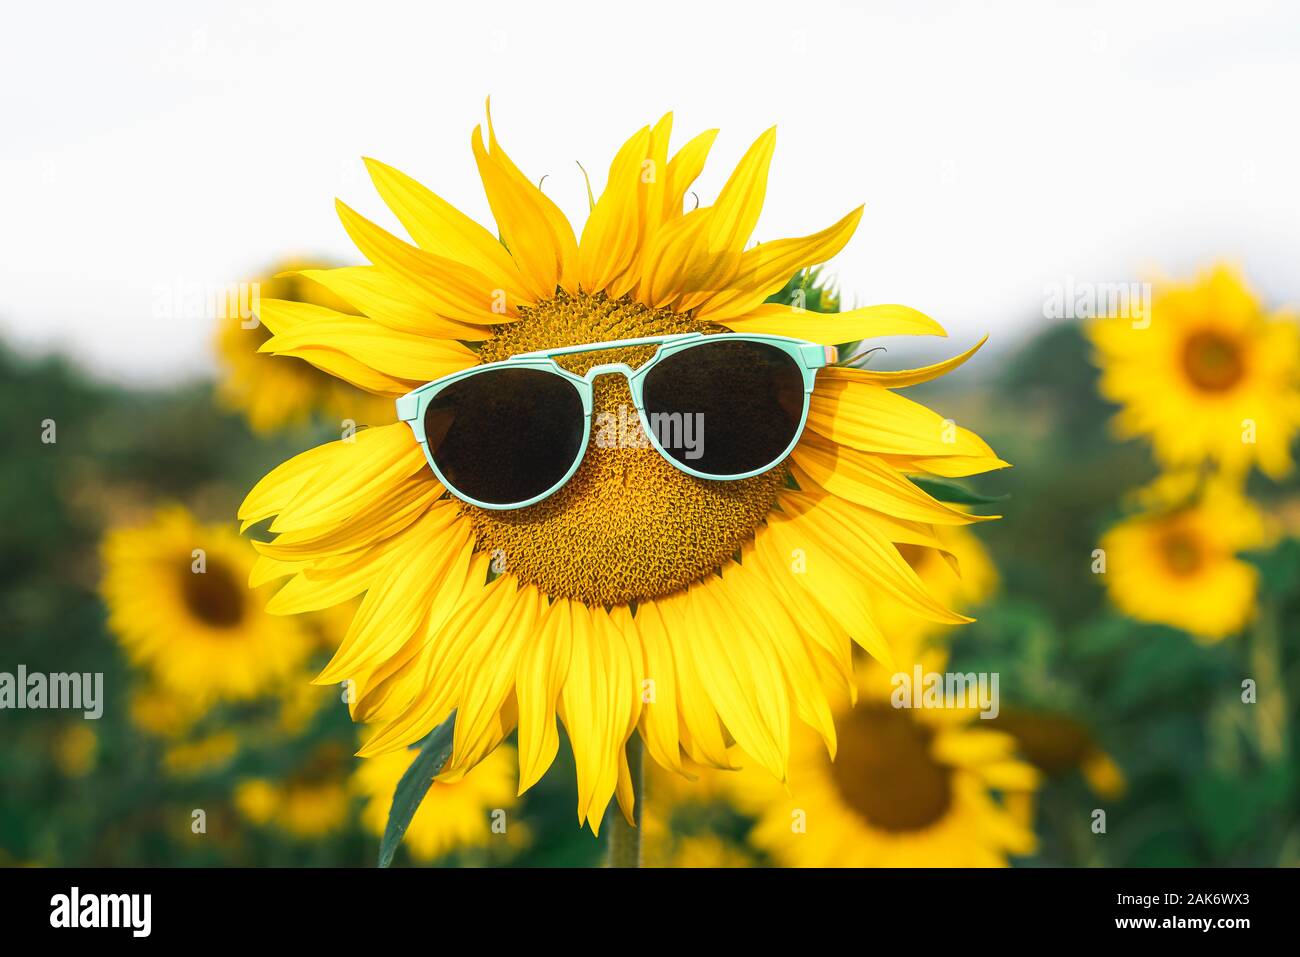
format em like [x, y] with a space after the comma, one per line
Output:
[810, 289]
[1210, 778]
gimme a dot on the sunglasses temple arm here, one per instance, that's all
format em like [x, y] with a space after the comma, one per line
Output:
[817, 356]
[408, 406]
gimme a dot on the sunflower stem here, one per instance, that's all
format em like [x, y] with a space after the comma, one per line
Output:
[624, 838]
[1266, 665]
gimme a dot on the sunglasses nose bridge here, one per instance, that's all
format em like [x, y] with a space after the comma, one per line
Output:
[616, 368]
[609, 368]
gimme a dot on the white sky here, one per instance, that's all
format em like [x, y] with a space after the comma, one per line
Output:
[151, 147]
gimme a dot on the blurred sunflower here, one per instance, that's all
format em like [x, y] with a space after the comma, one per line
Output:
[1179, 566]
[275, 393]
[692, 821]
[908, 788]
[76, 750]
[300, 701]
[173, 717]
[177, 602]
[1212, 377]
[1057, 744]
[707, 851]
[454, 816]
[161, 713]
[313, 801]
[202, 755]
[605, 579]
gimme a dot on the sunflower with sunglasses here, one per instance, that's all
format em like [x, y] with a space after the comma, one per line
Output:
[691, 590]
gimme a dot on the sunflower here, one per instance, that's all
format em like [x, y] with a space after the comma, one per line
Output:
[1208, 376]
[1178, 566]
[453, 817]
[176, 600]
[311, 802]
[637, 596]
[275, 393]
[907, 788]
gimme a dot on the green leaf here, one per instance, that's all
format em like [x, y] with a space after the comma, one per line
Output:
[946, 491]
[414, 785]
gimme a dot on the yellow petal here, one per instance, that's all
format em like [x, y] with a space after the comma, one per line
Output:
[972, 747]
[597, 705]
[482, 610]
[347, 478]
[453, 289]
[451, 656]
[843, 532]
[612, 234]
[267, 569]
[397, 602]
[867, 417]
[825, 578]
[624, 792]
[947, 466]
[763, 270]
[443, 230]
[539, 675]
[1010, 776]
[746, 591]
[659, 714]
[651, 212]
[392, 509]
[398, 355]
[744, 681]
[828, 642]
[831, 329]
[349, 370]
[736, 212]
[491, 681]
[395, 303]
[700, 730]
[683, 169]
[903, 377]
[279, 486]
[304, 594]
[866, 480]
[537, 234]
[680, 264]
[389, 688]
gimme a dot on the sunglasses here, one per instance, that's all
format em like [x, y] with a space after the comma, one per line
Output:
[508, 434]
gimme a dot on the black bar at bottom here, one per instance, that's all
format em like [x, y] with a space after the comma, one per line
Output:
[386, 907]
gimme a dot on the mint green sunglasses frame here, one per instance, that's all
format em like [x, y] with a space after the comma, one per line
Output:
[808, 356]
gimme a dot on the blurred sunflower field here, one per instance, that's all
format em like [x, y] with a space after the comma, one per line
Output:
[1138, 601]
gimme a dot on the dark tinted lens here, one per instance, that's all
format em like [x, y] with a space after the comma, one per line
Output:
[726, 407]
[505, 435]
